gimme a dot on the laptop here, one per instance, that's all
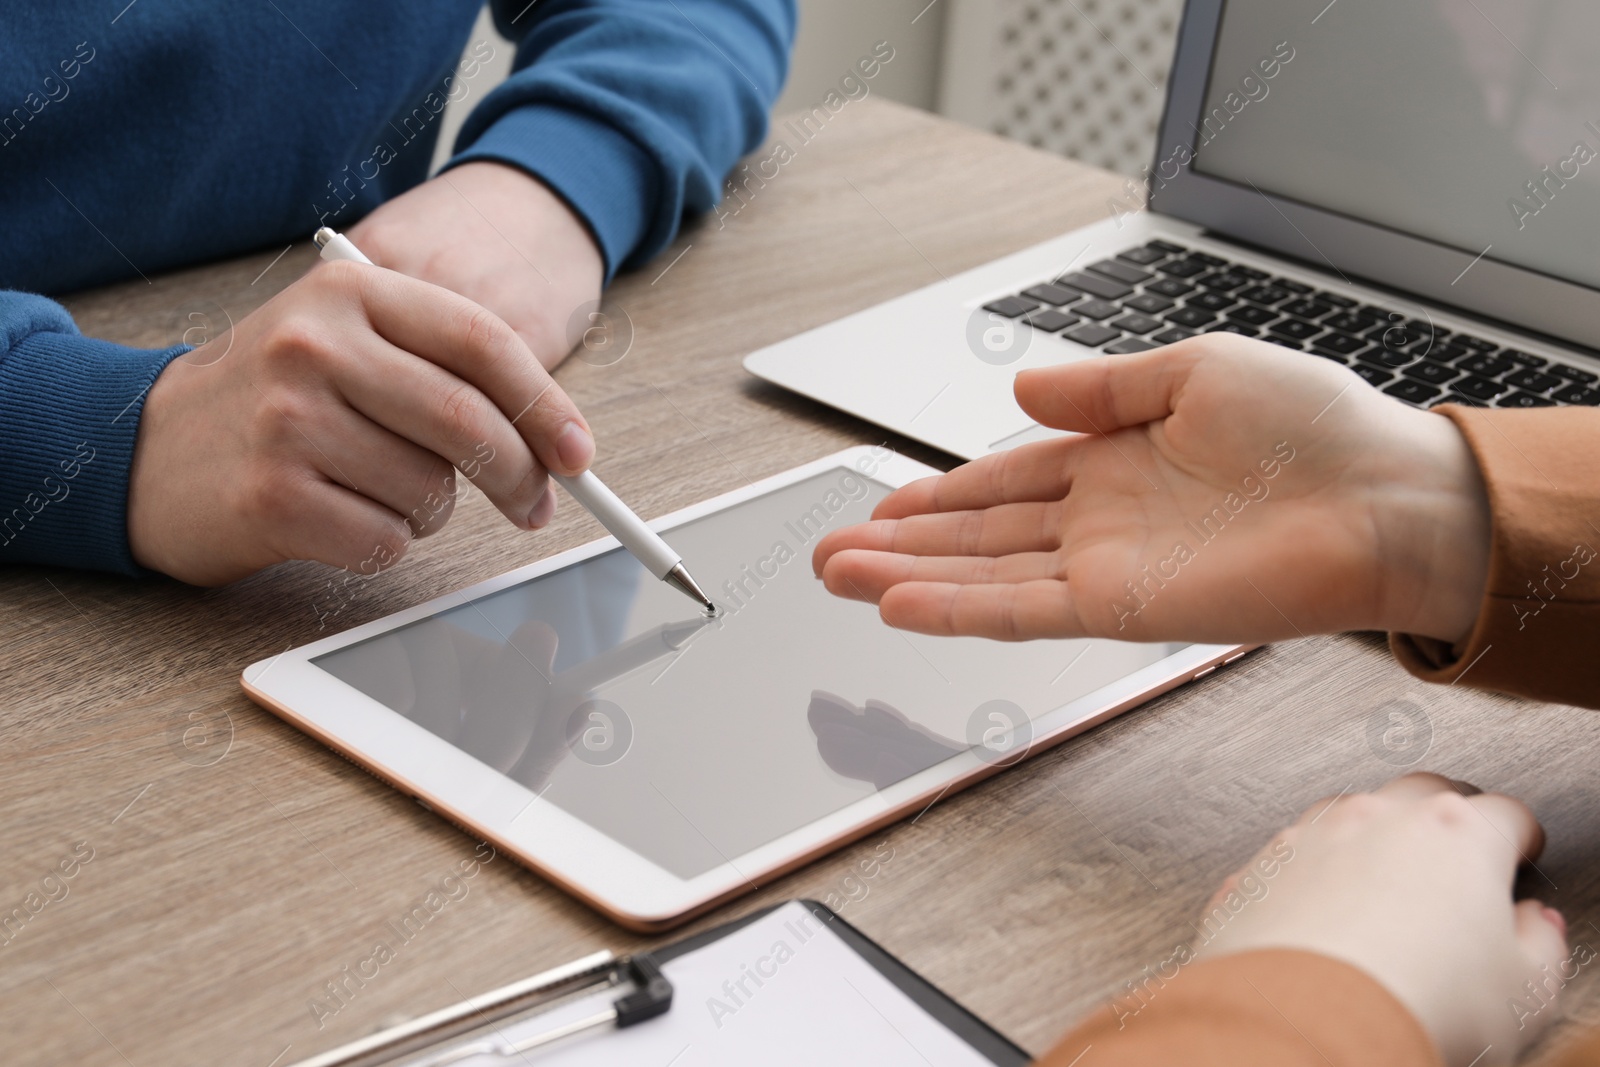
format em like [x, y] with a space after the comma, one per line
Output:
[1409, 190]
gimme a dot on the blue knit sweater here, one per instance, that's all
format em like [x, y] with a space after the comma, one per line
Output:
[138, 137]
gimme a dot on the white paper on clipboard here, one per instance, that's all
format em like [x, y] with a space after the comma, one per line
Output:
[782, 991]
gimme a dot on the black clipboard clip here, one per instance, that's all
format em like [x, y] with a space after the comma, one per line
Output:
[474, 1027]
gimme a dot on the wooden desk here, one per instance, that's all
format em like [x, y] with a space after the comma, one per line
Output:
[231, 882]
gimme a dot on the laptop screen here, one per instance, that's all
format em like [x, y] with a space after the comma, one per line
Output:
[1473, 123]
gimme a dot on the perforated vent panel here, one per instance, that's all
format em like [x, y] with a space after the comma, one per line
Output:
[1085, 78]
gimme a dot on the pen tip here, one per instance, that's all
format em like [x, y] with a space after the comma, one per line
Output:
[678, 577]
[323, 235]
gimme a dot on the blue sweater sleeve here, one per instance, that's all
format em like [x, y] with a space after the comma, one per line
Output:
[633, 111]
[69, 412]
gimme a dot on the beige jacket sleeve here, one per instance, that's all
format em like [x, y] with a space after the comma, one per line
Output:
[1538, 632]
[1270, 1008]
[1537, 635]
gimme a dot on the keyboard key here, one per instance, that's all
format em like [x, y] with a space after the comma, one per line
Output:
[1053, 294]
[1373, 375]
[1295, 330]
[1251, 315]
[1349, 322]
[1149, 303]
[1210, 261]
[1097, 309]
[1128, 345]
[1485, 365]
[1265, 294]
[1478, 388]
[1397, 335]
[1172, 336]
[1283, 342]
[1433, 373]
[1169, 287]
[1534, 381]
[1578, 394]
[1298, 288]
[1011, 306]
[1224, 280]
[1187, 267]
[1251, 273]
[1095, 285]
[1457, 398]
[1476, 343]
[1191, 317]
[1447, 353]
[1121, 271]
[1143, 256]
[1573, 374]
[1166, 246]
[1342, 343]
[1092, 335]
[1234, 327]
[1524, 400]
[1399, 357]
[1335, 299]
[1412, 392]
[1329, 354]
[1137, 324]
[1306, 309]
[1378, 356]
[1422, 331]
[1527, 359]
[1051, 320]
[1212, 301]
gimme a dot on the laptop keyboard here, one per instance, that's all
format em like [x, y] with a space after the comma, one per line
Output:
[1161, 293]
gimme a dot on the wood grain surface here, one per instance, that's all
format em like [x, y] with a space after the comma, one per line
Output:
[238, 867]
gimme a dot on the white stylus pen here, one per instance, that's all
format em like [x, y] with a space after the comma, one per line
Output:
[645, 544]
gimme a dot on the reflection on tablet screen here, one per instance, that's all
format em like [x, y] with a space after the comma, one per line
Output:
[692, 740]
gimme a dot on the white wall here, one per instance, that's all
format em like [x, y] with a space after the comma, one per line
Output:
[493, 74]
[834, 34]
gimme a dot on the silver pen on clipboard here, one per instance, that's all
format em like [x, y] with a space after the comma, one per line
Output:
[476, 1026]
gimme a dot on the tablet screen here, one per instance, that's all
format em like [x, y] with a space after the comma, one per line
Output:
[692, 741]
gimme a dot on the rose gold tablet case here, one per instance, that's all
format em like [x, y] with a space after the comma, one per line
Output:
[917, 803]
[644, 924]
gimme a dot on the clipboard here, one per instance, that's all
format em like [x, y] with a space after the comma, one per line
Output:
[783, 997]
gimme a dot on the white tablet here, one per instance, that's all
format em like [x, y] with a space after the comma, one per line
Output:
[593, 723]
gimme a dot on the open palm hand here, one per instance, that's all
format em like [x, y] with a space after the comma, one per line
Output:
[1223, 490]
